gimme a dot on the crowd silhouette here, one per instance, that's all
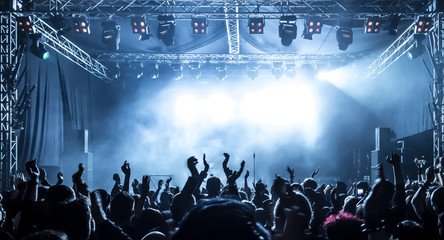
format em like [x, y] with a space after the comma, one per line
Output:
[212, 207]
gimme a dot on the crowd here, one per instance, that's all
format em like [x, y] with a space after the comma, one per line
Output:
[210, 207]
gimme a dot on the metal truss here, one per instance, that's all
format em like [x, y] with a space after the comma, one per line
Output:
[216, 8]
[437, 57]
[71, 51]
[398, 48]
[229, 58]
[8, 96]
[232, 29]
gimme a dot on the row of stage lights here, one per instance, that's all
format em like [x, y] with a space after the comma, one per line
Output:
[166, 29]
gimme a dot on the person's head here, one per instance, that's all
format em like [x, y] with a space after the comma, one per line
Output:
[104, 196]
[213, 186]
[309, 183]
[344, 226]
[155, 235]
[122, 207]
[221, 219]
[180, 205]
[148, 220]
[437, 200]
[59, 193]
[341, 187]
[74, 218]
[407, 230]
[46, 235]
[350, 204]
[293, 199]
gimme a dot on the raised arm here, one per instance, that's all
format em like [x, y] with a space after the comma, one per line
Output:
[127, 172]
[144, 189]
[42, 178]
[227, 170]
[33, 172]
[291, 172]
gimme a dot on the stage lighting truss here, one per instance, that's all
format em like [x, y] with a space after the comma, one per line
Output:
[24, 25]
[423, 25]
[313, 25]
[111, 34]
[372, 24]
[277, 70]
[199, 24]
[195, 70]
[392, 23]
[37, 47]
[166, 29]
[81, 24]
[256, 24]
[287, 29]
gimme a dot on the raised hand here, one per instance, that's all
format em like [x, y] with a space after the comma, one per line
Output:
[135, 185]
[42, 177]
[191, 163]
[290, 171]
[247, 174]
[145, 188]
[81, 168]
[126, 168]
[227, 156]
[116, 178]
[169, 180]
[430, 174]
[207, 166]
[243, 163]
[160, 184]
[32, 169]
[394, 159]
[314, 173]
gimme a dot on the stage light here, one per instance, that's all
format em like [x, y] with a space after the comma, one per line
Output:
[372, 24]
[287, 29]
[221, 72]
[252, 71]
[81, 24]
[392, 24]
[256, 24]
[139, 25]
[166, 29]
[313, 25]
[195, 70]
[344, 35]
[151, 70]
[177, 70]
[423, 25]
[114, 71]
[418, 48]
[111, 35]
[24, 25]
[199, 24]
[290, 70]
[37, 47]
[277, 70]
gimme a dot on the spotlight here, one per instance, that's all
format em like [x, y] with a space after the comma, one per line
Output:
[256, 25]
[290, 70]
[81, 24]
[195, 70]
[166, 29]
[114, 71]
[221, 72]
[344, 36]
[313, 25]
[277, 70]
[136, 68]
[392, 24]
[423, 25]
[177, 71]
[111, 35]
[252, 71]
[199, 24]
[37, 48]
[139, 25]
[24, 25]
[372, 24]
[418, 48]
[287, 29]
[151, 70]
